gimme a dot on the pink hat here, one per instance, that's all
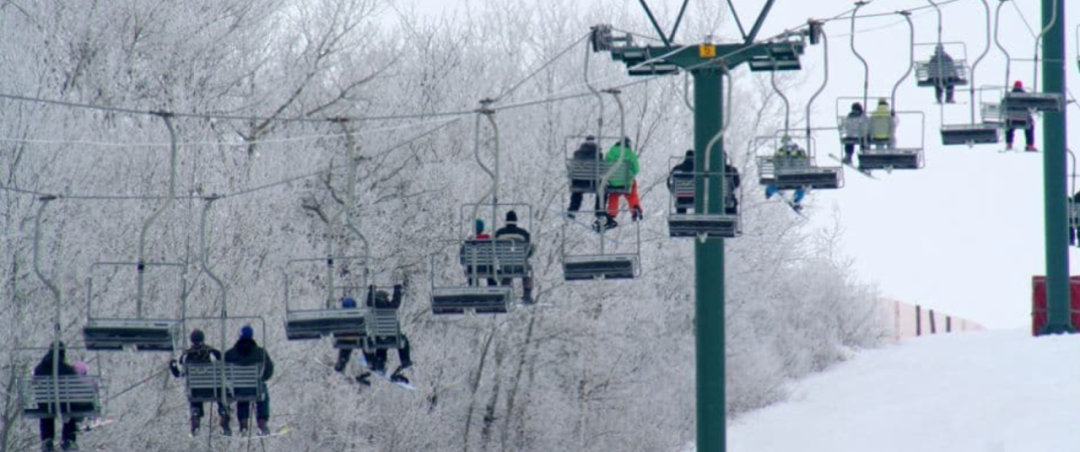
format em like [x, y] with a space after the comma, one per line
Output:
[1018, 84]
[81, 368]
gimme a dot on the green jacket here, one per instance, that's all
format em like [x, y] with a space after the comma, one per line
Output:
[618, 178]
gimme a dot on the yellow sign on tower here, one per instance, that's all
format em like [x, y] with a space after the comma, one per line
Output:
[707, 51]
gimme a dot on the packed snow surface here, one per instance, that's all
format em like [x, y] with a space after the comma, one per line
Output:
[1000, 391]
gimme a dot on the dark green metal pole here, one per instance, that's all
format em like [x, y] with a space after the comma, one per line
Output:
[1055, 188]
[709, 263]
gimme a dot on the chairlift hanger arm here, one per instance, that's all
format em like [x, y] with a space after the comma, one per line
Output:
[760, 21]
[678, 20]
[738, 22]
[655, 24]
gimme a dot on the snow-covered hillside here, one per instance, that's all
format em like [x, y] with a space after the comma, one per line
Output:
[987, 391]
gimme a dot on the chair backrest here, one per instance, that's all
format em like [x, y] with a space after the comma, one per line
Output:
[494, 253]
[240, 382]
[594, 170]
[853, 127]
[75, 394]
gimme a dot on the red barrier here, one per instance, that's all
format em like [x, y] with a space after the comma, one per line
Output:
[1038, 302]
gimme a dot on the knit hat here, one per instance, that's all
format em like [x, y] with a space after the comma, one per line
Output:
[479, 226]
[81, 368]
[197, 337]
[247, 332]
[689, 152]
[1018, 84]
[348, 303]
[511, 217]
[882, 101]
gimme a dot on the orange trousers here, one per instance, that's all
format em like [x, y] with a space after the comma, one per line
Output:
[632, 198]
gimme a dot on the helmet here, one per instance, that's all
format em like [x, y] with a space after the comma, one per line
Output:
[247, 332]
[348, 303]
[1018, 84]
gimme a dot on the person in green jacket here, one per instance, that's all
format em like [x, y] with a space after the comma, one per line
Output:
[619, 180]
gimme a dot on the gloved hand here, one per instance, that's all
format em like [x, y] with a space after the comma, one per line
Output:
[174, 367]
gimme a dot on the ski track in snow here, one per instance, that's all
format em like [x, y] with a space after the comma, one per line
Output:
[1001, 391]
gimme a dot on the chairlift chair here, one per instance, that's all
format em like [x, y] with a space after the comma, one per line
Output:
[330, 320]
[52, 396]
[383, 323]
[794, 172]
[725, 224]
[204, 382]
[139, 333]
[877, 153]
[931, 73]
[497, 259]
[585, 175]
[780, 56]
[986, 130]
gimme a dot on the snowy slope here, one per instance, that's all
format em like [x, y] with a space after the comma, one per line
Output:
[986, 391]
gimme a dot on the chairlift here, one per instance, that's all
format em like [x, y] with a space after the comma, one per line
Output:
[329, 320]
[682, 223]
[791, 164]
[781, 55]
[483, 259]
[985, 130]
[59, 396]
[383, 326]
[942, 70]
[585, 175]
[139, 333]
[878, 140]
[1016, 103]
[219, 381]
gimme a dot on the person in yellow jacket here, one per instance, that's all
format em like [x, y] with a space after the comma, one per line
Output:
[883, 125]
[624, 152]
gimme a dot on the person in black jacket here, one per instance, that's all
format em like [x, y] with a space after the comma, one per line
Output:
[1025, 121]
[684, 170]
[590, 152]
[47, 426]
[199, 353]
[512, 232]
[732, 179]
[247, 353]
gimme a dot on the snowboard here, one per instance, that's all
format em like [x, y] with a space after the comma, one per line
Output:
[861, 171]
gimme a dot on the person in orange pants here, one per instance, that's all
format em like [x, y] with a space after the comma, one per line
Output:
[623, 153]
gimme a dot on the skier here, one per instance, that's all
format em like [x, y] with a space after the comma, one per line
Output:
[376, 360]
[731, 177]
[199, 353]
[883, 125]
[513, 232]
[854, 131]
[47, 426]
[625, 152]
[683, 171]
[1025, 120]
[589, 152]
[787, 155]
[942, 72]
[247, 353]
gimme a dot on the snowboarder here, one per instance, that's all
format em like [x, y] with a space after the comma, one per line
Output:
[376, 359]
[247, 353]
[731, 177]
[47, 426]
[513, 232]
[854, 132]
[943, 74]
[199, 353]
[1024, 120]
[788, 154]
[625, 152]
[588, 151]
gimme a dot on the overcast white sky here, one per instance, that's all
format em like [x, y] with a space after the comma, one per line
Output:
[964, 235]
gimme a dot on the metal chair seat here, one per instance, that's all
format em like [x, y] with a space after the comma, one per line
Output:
[317, 323]
[383, 328]
[927, 73]
[77, 396]
[142, 334]
[969, 134]
[710, 225]
[482, 300]
[1032, 101]
[600, 266]
[890, 159]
